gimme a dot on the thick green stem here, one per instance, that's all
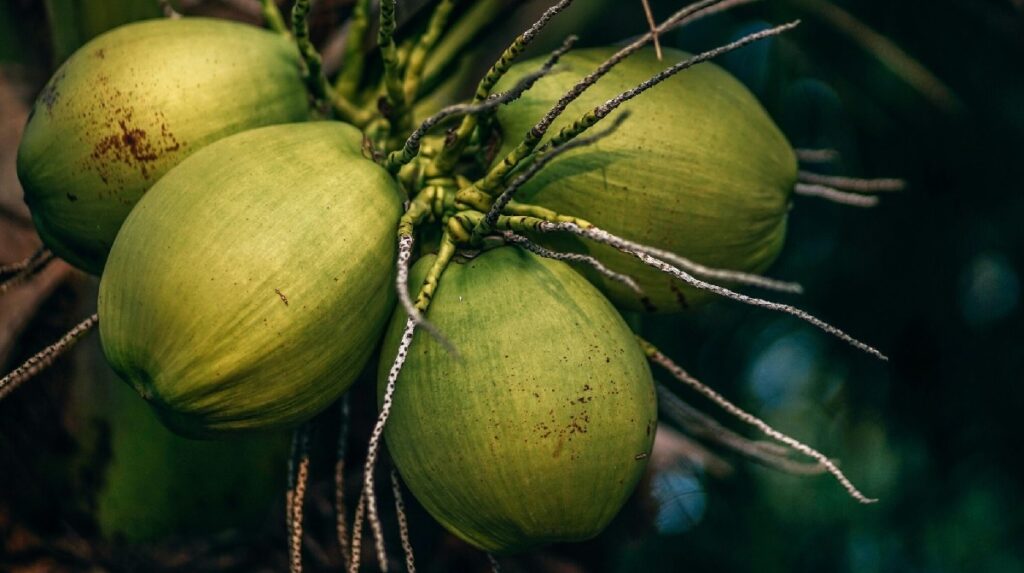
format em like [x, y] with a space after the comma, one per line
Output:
[272, 17]
[449, 156]
[459, 36]
[430, 282]
[421, 50]
[389, 55]
[315, 78]
[354, 59]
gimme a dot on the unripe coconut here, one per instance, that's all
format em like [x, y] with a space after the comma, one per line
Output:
[540, 429]
[698, 169]
[133, 103]
[248, 288]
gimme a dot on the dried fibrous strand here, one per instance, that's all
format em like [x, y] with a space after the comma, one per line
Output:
[340, 511]
[654, 27]
[598, 113]
[168, 10]
[45, 358]
[835, 195]
[665, 362]
[403, 522]
[852, 183]
[700, 425]
[601, 236]
[595, 264]
[816, 155]
[396, 159]
[368, 499]
[23, 271]
[295, 496]
[41, 254]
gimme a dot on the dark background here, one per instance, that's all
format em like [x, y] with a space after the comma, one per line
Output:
[932, 92]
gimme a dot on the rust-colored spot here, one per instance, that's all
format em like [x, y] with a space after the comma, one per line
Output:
[284, 299]
[100, 53]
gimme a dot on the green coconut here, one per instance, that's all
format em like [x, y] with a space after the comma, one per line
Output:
[698, 169]
[249, 286]
[157, 484]
[539, 431]
[133, 103]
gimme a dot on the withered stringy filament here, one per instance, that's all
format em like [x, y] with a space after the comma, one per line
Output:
[665, 362]
[24, 270]
[700, 425]
[45, 357]
[340, 512]
[298, 477]
[368, 498]
[403, 522]
[835, 195]
[597, 265]
[853, 183]
[601, 236]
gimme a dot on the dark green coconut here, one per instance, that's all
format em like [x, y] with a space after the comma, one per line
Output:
[698, 169]
[249, 286]
[133, 103]
[539, 432]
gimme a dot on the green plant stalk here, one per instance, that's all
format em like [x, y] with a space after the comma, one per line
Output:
[421, 50]
[354, 59]
[272, 16]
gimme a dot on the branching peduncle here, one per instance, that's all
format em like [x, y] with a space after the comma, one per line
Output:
[451, 153]
[415, 309]
[600, 112]
[835, 195]
[397, 159]
[396, 103]
[600, 236]
[315, 78]
[852, 183]
[354, 59]
[418, 55]
[295, 496]
[403, 522]
[655, 356]
[497, 175]
[462, 33]
[272, 17]
[702, 426]
[45, 358]
[506, 196]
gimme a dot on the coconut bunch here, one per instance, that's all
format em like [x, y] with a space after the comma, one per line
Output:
[261, 228]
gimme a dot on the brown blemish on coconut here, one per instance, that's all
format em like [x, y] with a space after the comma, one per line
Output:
[51, 93]
[283, 298]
